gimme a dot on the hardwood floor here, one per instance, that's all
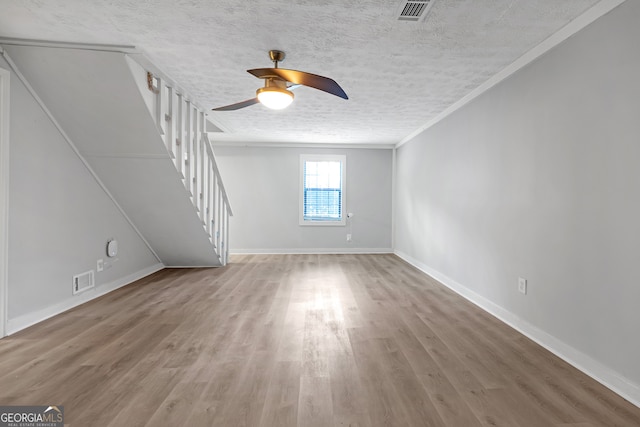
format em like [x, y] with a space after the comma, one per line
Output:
[296, 340]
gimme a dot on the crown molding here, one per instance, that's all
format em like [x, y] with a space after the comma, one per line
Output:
[598, 10]
[8, 41]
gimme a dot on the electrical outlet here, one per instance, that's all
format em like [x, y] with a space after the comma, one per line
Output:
[100, 265]
[522, 285]
[348, 237]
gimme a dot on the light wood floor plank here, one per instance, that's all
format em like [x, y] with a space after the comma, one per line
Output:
[315, 408]
[281, 403]
[296, 340]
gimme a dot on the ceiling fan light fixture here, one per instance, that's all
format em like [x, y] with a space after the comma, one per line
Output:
[279, 82]
[274, 97]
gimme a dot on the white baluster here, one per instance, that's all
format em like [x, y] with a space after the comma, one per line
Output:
[187, 145]
[158, 104]
[180, 135]
[195, 159]
[218, 214]
[210, 189]
[216, 217]
[170, 123]
[201, 165]
[225, 242]
[204, 183]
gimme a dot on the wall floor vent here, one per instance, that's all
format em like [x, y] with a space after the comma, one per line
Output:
[413, 10]
[83, 281]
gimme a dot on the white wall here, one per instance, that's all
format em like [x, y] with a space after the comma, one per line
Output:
[539, 178]
[95, 99]
[4, 194]
[59, 220]
[263, 188]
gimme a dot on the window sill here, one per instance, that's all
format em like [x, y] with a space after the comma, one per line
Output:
[323, 223]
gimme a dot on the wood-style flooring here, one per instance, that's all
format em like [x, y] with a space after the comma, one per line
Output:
[296, 340]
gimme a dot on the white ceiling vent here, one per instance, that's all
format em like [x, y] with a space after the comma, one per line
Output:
[413, 10]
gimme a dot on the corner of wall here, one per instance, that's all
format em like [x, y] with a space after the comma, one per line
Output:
[606, 376]
[22, 322]
[4, 195]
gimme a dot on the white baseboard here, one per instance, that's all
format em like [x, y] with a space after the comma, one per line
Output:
[310, 251]
[29, 319]
[596, 370]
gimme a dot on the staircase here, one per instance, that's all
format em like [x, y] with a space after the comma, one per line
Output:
[184, 132]
[145, 142]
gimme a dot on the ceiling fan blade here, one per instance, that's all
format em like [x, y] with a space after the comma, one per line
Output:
[237, 105]
[315, 81]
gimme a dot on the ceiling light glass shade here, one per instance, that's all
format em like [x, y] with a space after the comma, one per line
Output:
[274, 97]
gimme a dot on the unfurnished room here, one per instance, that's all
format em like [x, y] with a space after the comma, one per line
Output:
[320, 213]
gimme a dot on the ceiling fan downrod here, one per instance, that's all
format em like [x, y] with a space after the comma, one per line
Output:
[276, 56]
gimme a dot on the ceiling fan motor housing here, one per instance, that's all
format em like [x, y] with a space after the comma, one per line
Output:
[274, 94]
[275, 82]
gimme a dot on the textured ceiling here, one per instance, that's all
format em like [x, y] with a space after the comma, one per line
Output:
[398, 74]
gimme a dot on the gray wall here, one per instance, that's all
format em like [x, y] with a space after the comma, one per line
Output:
[4, 194]
[263, 188]
[59, 220]
[95, 97]
[539, 178]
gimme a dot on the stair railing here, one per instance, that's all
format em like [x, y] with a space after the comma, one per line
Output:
[183, 128]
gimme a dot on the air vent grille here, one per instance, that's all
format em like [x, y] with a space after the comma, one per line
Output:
[83, 281]
[414, 10]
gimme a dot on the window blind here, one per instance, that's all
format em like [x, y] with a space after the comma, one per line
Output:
[322, 191]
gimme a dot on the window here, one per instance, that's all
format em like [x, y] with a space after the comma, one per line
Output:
[322, 189]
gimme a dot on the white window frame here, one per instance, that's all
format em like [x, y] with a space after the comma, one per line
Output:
[324, 157]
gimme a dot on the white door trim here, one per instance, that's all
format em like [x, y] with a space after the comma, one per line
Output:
[4, 198]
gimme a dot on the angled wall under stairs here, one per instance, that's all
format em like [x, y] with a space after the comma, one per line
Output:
[160, 170]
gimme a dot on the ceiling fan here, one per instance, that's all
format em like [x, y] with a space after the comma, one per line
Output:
[279, 83]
